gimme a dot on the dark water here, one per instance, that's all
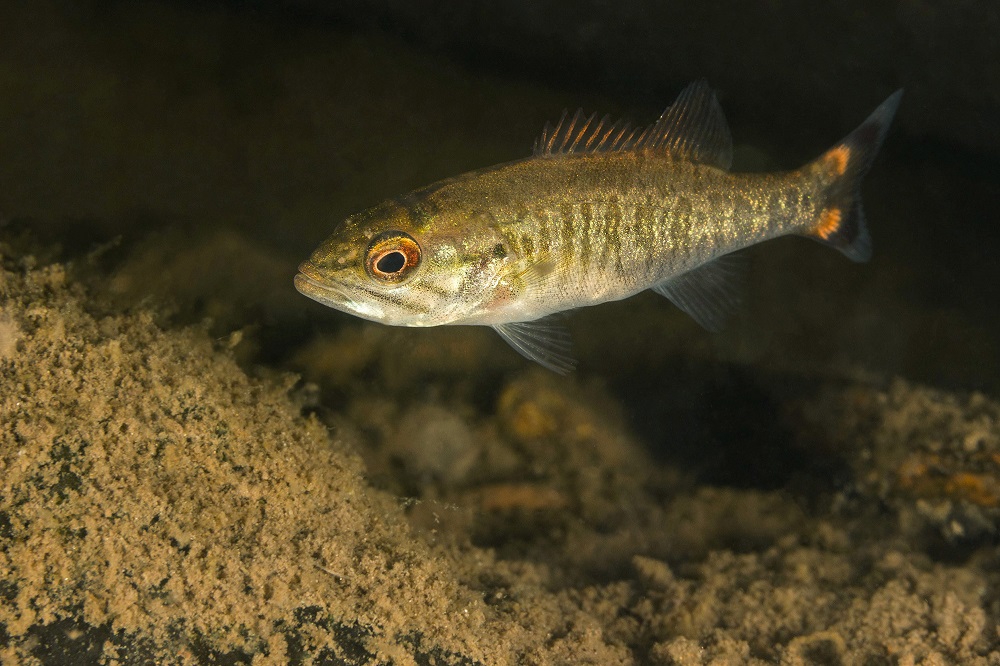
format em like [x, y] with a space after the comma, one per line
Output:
[276, 120]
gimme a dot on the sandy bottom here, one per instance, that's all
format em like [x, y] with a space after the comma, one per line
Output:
[156, 502]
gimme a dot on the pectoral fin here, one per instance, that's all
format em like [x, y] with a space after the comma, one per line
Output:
[543, 342]
[709, 293]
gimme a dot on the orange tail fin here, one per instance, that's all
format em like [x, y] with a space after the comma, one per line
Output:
[841, 221]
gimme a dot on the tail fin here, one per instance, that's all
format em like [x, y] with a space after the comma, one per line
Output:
[841, 221]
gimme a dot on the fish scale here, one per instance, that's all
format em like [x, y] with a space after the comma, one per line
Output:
[600, 212]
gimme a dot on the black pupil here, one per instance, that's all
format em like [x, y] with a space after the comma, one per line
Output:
[392, 262]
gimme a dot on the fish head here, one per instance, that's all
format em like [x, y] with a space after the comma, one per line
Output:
[402, 266]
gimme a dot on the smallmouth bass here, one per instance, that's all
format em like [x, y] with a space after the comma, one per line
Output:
[600, 211]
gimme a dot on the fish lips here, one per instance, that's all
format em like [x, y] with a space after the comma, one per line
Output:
[310, 283]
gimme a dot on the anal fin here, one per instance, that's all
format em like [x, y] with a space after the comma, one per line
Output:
[543, 341]
[708, 293]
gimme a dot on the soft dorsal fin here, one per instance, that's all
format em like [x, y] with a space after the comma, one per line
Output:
[692, 128]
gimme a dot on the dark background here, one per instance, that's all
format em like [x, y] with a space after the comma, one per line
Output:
[220, 142]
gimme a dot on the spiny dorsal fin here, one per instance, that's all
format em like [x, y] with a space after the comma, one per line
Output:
[580, 134]
[692, 128]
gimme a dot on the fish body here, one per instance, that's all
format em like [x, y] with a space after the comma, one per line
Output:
[600, 212]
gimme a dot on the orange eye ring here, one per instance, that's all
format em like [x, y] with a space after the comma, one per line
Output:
[392, 256]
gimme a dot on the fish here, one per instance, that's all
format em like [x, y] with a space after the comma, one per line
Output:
[600, 211]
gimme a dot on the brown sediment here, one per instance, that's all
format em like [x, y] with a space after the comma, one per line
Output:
[150, 488]
[164, 504]
[523, 496]
[924, 475]
[934, 455]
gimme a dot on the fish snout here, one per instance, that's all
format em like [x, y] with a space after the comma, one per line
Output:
[308, 270]
[311, 282]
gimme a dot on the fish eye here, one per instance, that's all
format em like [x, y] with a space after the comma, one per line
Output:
[391, 262]
[392, 256]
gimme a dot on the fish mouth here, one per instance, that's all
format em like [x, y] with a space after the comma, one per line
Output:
[310, 282]
[308, 271]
